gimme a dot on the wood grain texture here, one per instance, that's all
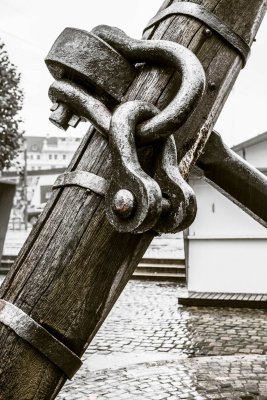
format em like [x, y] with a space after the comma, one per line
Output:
[74, 265]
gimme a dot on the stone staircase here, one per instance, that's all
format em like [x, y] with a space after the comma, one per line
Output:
[161, 269]
[6, 262]
[163, 261]
[149, 269]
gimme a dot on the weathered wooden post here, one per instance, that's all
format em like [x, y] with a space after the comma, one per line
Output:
[74, 264]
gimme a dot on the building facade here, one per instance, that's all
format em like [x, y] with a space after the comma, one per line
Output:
[48, 152]
[226, 250]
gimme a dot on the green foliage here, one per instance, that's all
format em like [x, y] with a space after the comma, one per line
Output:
[11, 98]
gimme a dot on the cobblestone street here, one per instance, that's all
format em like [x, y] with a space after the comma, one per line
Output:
[149, 348]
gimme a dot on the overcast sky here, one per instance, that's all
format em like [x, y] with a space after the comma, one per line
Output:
[29, 28]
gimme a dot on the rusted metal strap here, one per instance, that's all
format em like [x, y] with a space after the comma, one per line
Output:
[84, 179]
[201, 13]
[39, 338]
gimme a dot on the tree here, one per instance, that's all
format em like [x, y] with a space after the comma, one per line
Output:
[11, 100]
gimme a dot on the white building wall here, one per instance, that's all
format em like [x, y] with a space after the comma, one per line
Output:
[227, 249]
[256, 154]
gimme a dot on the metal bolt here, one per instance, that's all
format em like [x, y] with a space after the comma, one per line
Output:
[62, 116]
[123, 203]
[207, 32]
[212, 86]
[74, 121]
[54, 106]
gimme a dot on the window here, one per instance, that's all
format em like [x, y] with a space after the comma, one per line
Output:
[38, 156]
[50, 156]
[64, 156]
[55, 156]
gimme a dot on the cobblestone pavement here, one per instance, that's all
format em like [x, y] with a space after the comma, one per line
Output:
[149, 348]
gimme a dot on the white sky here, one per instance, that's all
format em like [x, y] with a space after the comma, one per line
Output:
[29, 28]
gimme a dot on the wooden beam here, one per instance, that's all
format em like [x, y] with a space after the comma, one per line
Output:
[74, 265]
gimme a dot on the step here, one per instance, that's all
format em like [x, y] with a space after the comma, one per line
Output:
[4, 270]
[214, 299]
[8, 257]
[6, 262]
[159, 276]
[161, 269]
[171, 261]
[169, 269]
[160, 265]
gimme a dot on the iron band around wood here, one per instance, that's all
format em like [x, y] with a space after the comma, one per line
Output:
[39, 338]
[84, 179]
[202, 14]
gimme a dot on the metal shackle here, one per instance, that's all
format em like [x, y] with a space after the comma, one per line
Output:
[176, 190]
[136, 202]
[160, 51]
[168, 53]
[133, 198]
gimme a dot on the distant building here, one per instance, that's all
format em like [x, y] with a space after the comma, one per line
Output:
[43, 154]
[48, 152]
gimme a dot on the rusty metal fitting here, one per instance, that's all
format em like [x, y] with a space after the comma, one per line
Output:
[39, 338]
[63, 117]
[207, 32]
[81, 103]
[83, 179]
[127, 174]
[180, 201]
[136, 202]
[123, 203]
[161, 52]
[85, 58]
[212, 86]
[201, 13]
[75, 56]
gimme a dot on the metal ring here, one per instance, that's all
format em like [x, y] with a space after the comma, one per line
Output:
[168, 120]
[39, 338]
[215, 23]
[167, 53]
[76, 55]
